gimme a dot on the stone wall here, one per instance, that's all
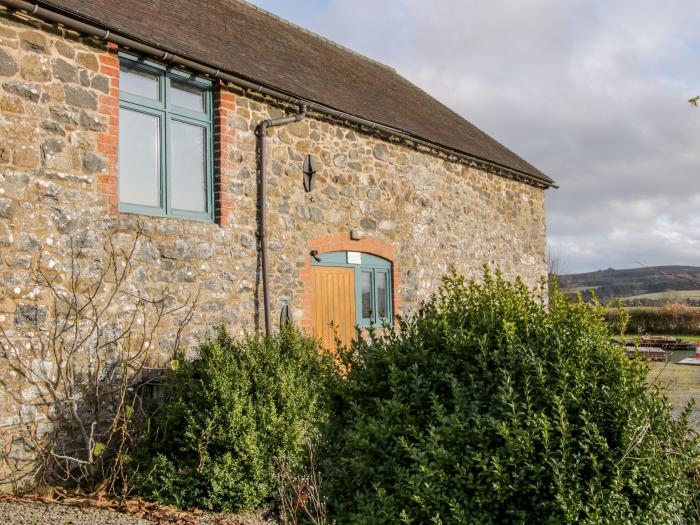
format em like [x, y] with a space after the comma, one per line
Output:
[58, 173]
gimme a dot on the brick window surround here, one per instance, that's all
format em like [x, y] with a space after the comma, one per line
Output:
[224, 104]
[224, 138]
[108, 141]
[342, 242]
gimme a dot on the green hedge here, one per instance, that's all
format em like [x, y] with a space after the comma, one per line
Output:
[491, 407]
[672, 319]
[228, 416]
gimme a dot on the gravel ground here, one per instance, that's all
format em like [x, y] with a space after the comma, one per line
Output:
[14, 512]
[38, 513]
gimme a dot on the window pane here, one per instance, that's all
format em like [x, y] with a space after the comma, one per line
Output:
[366, 283]
[187, 96]
[188, 173]
[139, 82]
[139, 158]
[381, 294]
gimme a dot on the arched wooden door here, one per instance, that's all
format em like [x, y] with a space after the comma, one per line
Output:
[350, 290]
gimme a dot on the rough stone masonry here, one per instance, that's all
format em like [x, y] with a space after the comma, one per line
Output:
[58, 179]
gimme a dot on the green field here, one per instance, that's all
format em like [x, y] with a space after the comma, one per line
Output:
[655, 284]
[573, 290]
[671, 296]
[693, 338]
[681, 384]
[640, 308]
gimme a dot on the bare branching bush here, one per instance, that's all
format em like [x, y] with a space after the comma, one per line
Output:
[78, 360]
[299, 496]
[556, 268]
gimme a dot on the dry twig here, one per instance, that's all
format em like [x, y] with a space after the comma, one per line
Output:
[84, 359]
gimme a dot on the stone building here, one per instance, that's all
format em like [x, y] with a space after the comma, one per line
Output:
[154, 117]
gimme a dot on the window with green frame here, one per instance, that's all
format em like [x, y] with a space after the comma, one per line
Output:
[373, 304]
[165, 141]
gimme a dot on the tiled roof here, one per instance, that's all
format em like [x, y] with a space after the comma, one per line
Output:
[239, 38]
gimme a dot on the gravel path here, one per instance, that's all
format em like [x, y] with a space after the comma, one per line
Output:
[22, 512]
[38, 513]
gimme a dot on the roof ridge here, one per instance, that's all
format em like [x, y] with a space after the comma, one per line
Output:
[311, 33]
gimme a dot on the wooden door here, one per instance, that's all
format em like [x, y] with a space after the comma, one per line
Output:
[333, 305]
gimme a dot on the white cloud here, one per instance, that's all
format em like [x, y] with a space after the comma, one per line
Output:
[593, 92]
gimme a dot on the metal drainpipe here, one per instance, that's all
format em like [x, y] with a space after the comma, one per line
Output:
[261, 131]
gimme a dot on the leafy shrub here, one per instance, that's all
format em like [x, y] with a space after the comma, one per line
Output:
[493, 407]
[229, 415]
[669, 319]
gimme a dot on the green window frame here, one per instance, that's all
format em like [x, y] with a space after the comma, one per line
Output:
[168, 113]
[377, 270]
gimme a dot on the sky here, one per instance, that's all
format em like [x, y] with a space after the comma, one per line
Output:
[592, 92]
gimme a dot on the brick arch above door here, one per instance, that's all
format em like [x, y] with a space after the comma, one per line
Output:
[342, 242]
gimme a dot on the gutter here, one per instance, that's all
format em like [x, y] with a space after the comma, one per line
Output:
[261, 132]
[367, 125]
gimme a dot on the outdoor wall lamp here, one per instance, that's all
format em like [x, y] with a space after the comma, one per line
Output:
[309, 172]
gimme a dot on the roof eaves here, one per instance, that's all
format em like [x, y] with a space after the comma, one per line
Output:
[536, 179]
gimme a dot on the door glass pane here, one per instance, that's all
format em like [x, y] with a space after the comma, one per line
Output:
[382, 310]
[187, 96]
[139, 82]
[139, 158]
[366, 290]
[188, 168]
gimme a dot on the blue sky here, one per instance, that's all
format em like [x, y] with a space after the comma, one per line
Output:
[592, 92]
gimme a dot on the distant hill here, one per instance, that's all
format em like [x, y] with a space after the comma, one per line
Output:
[638, 286]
